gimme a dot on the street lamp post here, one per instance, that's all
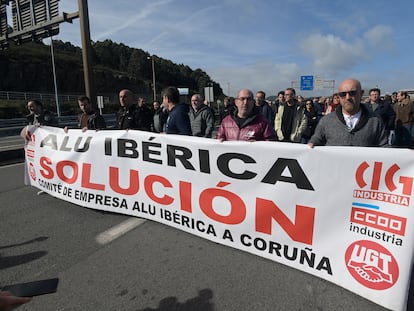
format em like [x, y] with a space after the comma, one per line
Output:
[54, 77]
[154, 90]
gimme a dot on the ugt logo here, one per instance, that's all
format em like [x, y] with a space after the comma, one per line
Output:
[372, 265]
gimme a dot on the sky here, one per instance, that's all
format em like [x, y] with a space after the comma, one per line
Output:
[264, 44]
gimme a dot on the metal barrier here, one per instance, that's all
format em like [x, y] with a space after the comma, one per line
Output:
[40, 96]
[12, 127]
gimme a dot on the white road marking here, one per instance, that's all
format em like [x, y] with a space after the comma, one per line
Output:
[118, 230]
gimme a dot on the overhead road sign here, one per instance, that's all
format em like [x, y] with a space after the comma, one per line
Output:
[306, 83]
[32, 20]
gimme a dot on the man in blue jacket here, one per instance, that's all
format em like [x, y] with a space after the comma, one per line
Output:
[178, 121]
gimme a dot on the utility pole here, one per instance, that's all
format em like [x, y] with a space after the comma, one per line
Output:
[154, 89]
[86, 49]
[54, 77]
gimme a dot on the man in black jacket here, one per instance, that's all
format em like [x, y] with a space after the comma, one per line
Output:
[129, 116]
[145, 115]
[37, 116]
[40, 116]
[383, 109]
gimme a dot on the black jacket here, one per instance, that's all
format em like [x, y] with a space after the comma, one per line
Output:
[386, 112]
[133, 118]
[45, 118]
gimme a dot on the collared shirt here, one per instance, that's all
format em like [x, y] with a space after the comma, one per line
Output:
[351, 121]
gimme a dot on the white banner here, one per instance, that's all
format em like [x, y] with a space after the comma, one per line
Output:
[343, 214]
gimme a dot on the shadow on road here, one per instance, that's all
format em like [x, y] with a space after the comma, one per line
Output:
[199, 303]
[39, 239]
[11, 261]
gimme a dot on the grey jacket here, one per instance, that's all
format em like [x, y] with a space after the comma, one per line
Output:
[333, 131]
[202, 121]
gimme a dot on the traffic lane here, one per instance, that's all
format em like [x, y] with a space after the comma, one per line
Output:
[11, 150]
[153, 259]
[12, 177]
[11, 142]
[41, 236]
[156, 267]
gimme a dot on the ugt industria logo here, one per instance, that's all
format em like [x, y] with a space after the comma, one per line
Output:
[385, 184]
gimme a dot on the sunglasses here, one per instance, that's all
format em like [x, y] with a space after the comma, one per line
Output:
[242, 99]
[351, 93]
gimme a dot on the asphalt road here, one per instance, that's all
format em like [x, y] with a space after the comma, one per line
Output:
[150, 267]
[11, 143]
[11, 149]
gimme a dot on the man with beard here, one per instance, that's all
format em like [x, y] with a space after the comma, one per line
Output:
[89, 119]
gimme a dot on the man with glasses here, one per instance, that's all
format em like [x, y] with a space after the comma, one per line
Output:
[290, 121]
[351, 125]
[246, 122]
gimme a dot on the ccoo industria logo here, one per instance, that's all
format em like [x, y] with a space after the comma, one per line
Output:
[385, 184]
[371, 264]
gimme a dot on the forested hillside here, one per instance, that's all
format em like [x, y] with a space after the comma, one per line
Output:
[28, 68]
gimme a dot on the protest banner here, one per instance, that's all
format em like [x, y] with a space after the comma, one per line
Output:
[343, 214]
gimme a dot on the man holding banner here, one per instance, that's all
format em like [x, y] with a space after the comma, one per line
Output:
[246, 123]
[352, 124]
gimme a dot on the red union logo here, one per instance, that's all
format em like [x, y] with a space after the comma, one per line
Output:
[388, 178]
[378, 220]
[32, 140]
[371, 265]
[32, 171]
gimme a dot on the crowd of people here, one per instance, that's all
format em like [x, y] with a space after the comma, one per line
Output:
[344, 119]
[341, 119]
